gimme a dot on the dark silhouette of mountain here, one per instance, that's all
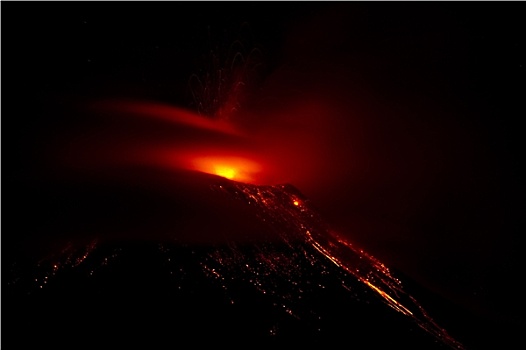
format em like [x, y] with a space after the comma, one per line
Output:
[264, 267]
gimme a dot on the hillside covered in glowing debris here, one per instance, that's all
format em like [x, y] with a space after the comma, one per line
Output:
[297, 280]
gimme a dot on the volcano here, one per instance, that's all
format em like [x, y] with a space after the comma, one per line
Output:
[239, 262]
[247, 174]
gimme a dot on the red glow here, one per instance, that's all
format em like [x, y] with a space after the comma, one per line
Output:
[296, 143]
[168, 113]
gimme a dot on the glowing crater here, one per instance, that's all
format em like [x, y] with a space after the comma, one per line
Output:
[233, 168]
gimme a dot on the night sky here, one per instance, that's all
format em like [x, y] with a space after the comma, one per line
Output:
[399, 121]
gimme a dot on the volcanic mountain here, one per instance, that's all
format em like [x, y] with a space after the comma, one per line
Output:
[211, 261]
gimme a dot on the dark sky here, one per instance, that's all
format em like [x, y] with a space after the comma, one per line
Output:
[409, 112]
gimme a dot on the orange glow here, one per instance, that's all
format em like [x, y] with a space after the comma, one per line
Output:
[269, 146]
[233, 168]
[224, 171]
[265, 147]
[296, 203]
